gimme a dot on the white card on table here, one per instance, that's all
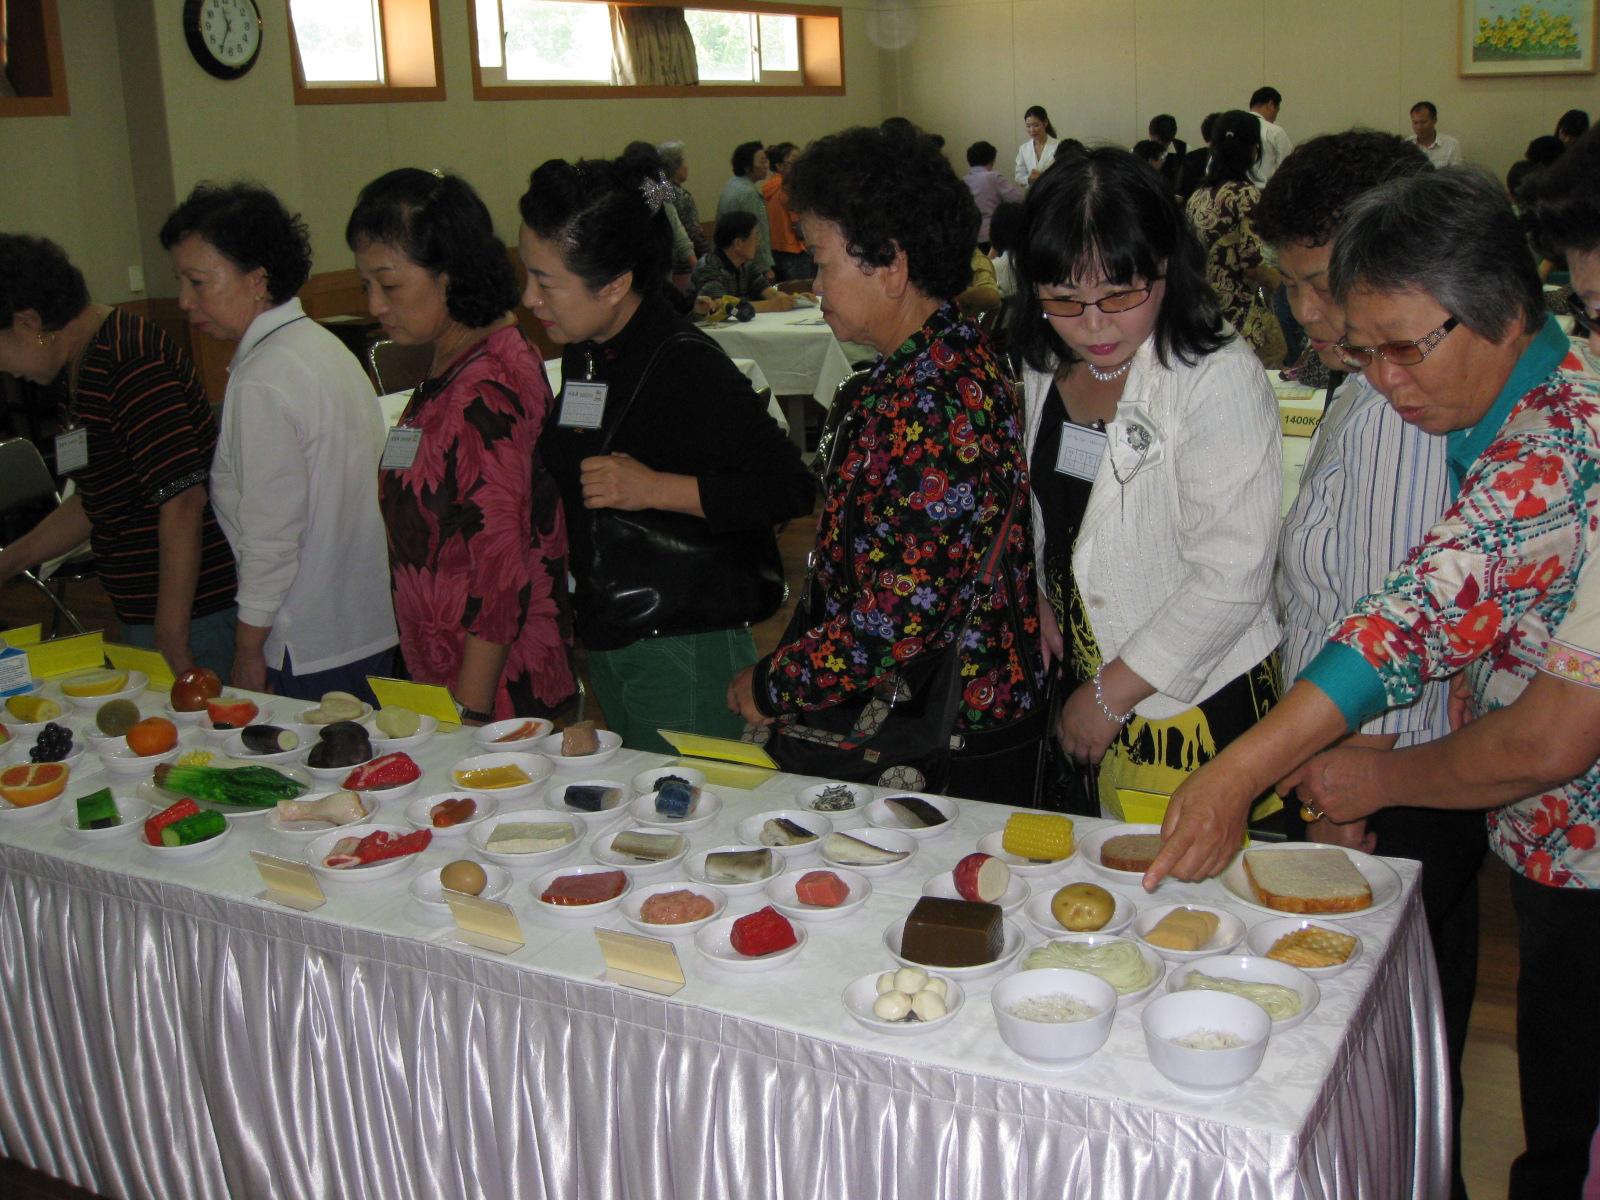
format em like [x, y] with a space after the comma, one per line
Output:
[486, 924]
[647, 963]
[289, 883]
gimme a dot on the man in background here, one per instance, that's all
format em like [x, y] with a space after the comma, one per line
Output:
[742, 193]
[1266, 102]
[1163, 128]
[1442, 149]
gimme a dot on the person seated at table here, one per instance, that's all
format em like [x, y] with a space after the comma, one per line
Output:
[1157, 469]
[477, 540]
[1444, 309]
[664, 424]
[1004, 226]
[932, 482]
[293, 477]
[730, 268]
[140, 461]
[989, 188]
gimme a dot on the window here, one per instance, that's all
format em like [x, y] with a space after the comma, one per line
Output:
[555, 40]
[353, 51]
[33, 75]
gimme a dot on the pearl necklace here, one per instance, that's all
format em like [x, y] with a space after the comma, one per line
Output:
[1106, 376]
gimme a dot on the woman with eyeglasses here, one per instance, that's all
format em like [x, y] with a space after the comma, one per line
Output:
[1154, 450]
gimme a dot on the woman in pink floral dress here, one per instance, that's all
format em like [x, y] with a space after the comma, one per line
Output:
[477, 543]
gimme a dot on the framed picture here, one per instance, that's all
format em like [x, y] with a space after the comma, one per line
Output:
[1527, 37]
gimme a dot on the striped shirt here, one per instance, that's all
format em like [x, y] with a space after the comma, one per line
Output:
[151, 437]
[1373, 485]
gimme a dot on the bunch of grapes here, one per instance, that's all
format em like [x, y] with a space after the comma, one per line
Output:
[53, 744]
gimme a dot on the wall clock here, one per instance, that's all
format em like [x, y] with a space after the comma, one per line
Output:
[224, 35]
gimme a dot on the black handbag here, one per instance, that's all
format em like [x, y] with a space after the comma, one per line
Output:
[656, 574]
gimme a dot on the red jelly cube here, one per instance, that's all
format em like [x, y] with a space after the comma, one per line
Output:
[763, 932]
[821, 889]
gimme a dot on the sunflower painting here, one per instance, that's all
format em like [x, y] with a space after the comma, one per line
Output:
[1527, 37]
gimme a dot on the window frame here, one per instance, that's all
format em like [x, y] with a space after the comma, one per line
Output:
[821, 37]
[57, 102]
[403, 24]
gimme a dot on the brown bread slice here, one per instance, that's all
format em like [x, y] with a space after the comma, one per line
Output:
[1130, 851]
[1307, 881]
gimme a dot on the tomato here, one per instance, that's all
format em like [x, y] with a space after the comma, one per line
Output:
[193, 688]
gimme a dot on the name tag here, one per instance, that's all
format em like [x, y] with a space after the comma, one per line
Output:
[400, 448]
[72, 451]
[1080, 451]
[583, 404]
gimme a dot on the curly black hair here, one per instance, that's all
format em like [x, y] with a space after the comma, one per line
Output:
[1103, 214]
[248, 226]
[1561, 205]
[1305, 198]
[439, 223]
[889, 191]
[596, 211]
[36, 274]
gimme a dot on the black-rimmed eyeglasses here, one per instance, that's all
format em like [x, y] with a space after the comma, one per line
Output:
[1400, 354]
[1116, 302]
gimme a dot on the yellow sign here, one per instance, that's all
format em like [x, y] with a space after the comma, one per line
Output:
[424, 699]
[288, 882]
[486, 924]
[23, 635]
[136, 658]
[62, 655]
[699, 745]
[1299, 422]
[633, 960]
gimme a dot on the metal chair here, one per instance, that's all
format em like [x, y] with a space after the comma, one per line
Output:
[25, 481]
[398, 368]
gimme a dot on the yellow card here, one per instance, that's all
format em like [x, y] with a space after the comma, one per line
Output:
[137, 658]
[23, 635]
[699, 745]
[1142, 808]
[288, 883]
[425, 699]
[486, 924]
[62, 655]
[1299, 422]
[647, 963]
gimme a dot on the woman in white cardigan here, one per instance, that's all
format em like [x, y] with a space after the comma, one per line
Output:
[1036, 154]
[1153, 443]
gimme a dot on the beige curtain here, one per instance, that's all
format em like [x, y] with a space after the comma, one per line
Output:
[651, 47]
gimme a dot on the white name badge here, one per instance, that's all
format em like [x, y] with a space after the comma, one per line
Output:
[72, 451]
[1080, 451]
[400, 448]
[583, 404]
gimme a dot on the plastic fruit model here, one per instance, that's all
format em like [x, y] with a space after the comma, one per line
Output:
[1082, 907]
[100, 682]
[981, 877]
[116, 717]
[233, 713]
[193, 688]
[32, 709]
[52, 745]
[153, 735]
[27, 784]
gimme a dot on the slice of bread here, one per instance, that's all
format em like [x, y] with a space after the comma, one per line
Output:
[1130, 851]
[1307, 881]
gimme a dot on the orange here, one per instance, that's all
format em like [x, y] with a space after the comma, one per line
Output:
[27, 784]
[153, 735]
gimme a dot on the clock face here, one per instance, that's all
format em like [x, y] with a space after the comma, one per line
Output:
[224, 35]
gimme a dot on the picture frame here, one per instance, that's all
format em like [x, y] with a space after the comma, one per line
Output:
[1527, 37]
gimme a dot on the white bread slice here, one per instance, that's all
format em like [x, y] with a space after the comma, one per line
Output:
[1307, 881]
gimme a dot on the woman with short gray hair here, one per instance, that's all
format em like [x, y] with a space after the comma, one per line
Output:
[676, 162]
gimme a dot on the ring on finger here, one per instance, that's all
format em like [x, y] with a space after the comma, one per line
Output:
[1310, 813]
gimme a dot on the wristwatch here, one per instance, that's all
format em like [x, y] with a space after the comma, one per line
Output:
[473, 714]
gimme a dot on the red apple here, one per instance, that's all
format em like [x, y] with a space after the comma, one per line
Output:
[981, 877]
[234, 711]
[192, 689]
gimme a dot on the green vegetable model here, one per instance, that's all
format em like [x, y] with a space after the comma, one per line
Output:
[243, 787]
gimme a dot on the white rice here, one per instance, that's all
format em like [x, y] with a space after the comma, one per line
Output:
[1210, 1039]
[1057, 1009]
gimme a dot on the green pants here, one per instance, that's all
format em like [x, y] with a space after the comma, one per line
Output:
[671, 683]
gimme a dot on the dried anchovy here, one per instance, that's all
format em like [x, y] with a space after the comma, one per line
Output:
[837, 798]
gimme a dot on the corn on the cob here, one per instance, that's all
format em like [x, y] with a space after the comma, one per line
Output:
[1042, 837]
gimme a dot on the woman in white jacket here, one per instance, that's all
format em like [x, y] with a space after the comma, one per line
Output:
[1036, 154]
[1153, 445]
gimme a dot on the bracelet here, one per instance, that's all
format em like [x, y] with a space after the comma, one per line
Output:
[1105, 709]
[474, 714]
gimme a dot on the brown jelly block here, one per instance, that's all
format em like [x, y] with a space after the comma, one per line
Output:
[952, 933]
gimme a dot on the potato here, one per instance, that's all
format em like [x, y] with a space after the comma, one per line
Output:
[1082, 907]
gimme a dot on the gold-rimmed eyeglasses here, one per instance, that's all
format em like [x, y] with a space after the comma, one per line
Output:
[1116, 302]
[1400, 354]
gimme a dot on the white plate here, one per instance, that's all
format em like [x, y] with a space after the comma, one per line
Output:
[302, 831]
[1038, 910]
[862, 994]
[638, 868]
[536, 766]
[1254, 970]
[1157, 964]
[233, 746]
[193, 717]
[557, 789]
[21, 729]
[1011, 946]
[1089, 849]
[322, 845]
[1261, 937]
[750, 831]
[383, 745]
[880, 813]
[129, 808]
[158, 799]
[781, 892]
[302, 715]
[137, 682]
[485, 735]
[989, 843]
[843, 818]
[696, 866]
[1380, 877]
[427, 891]
[417, 812]
[646, 782]
[1014, 897]
[550, 747]
[634, 901]
[713, 941]
[123, 764]
[1230, 931]
[186, 853]
[884, 839]
[574, 911]
[478, 838]
[707, 805]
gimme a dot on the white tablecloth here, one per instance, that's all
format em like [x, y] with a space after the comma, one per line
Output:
[170, 1034]
[796, 350]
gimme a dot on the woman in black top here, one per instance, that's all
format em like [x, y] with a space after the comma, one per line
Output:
[653, 417]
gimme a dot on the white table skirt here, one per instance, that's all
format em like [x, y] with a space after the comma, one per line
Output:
[796, 351]
[170, 1035]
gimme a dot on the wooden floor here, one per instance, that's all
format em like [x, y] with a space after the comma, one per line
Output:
[1492, 1128]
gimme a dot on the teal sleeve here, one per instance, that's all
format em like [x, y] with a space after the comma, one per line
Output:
[1349, 680]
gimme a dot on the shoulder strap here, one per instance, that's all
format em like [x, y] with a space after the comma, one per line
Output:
[680, 337]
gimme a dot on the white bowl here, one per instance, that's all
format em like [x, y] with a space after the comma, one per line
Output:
[714, 941]
[19, 748]
[989, 843]
[428, 892]
[322, 845]
[647, 781]
[1038, 910]
[417, 812]
[781, 893]
[1230, 932]
[1054, 1044]
[1261, 938]
[478, 838]
[1014, 897]
[186, 853]
[1154, 963]
[750, 831]
[884, 816]
[706, 805]
[485, 735]
[192, 717]
[1251, 969]
[1011, 946]
[30, 812]
[383, 745]
[842, 818]
[573, 911]
[550, 747]
[123, 764]
[20, 728]
[233, 746]
[304, 831]
[97, 740]
[696, 867]
[884, 839]
[132, 811]
[634, 901]
[862, 994]
[302, 714]
[1089, 849]
[536, 766]
[263, 717]
[638, 868]
[1179, 1014]
[556, 790]
[137, 682]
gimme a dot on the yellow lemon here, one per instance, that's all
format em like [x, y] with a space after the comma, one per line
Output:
[32, 709]
[100, 682]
